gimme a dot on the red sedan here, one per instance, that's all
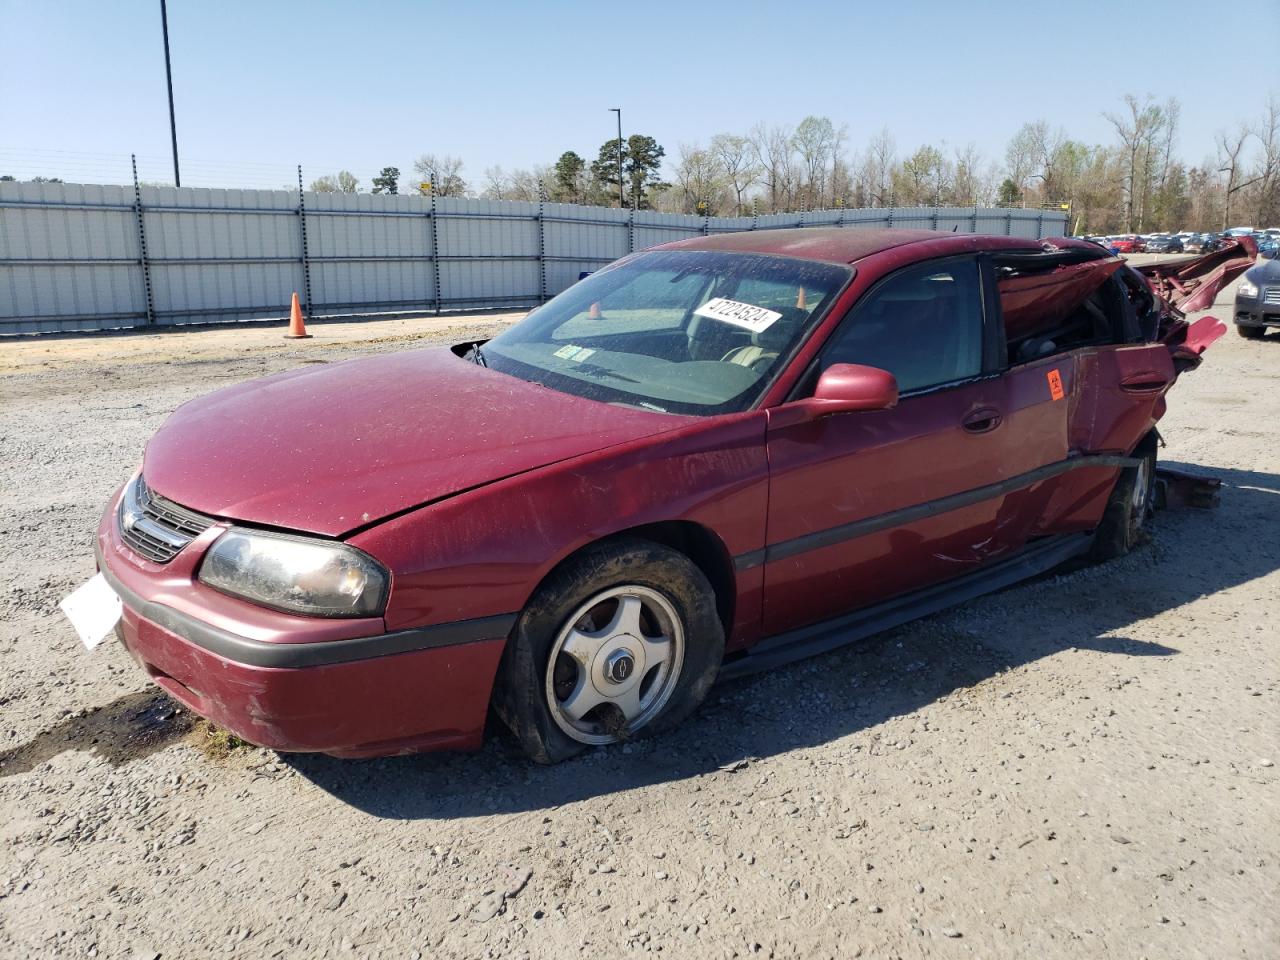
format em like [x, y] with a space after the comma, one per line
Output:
[1129, 244]
[709, 458]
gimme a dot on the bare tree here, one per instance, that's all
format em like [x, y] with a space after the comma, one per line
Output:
[530, 185]
[1267, 130]
[774, 155]
[497, 185]
[443, 175]
[738, 162]
[1230, 147]
[968, 188]
[876, 168]
[344, 181]
[815, 141]
[701, 179]
[1138, 131]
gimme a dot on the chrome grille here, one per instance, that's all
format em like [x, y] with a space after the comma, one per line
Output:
[1272, 295]
[155, 527]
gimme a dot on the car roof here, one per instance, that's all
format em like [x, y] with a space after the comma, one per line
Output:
[843, 245]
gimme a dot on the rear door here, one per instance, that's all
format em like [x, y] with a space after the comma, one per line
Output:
[865, 506]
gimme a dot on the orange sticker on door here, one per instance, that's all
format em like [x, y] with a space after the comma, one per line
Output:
[1055, 385]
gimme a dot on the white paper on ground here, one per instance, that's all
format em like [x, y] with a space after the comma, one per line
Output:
[93, 609]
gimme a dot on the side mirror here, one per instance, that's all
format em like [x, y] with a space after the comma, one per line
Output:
[845, 387]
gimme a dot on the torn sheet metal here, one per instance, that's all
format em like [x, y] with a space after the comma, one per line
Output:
[1192, 285]
[1040, 299]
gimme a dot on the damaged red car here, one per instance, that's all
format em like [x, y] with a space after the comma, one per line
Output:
[709, 458]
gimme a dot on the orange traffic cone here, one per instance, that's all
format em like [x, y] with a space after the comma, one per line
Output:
[800, 304]
[297, 329]
[594, 312]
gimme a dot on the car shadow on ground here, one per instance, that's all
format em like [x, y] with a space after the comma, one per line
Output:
[1193, 553]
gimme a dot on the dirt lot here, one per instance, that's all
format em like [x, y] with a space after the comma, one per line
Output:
[1078, 767]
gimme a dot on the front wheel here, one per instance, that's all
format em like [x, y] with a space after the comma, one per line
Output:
[1123, 524]
[623, 639]
[1250, 333]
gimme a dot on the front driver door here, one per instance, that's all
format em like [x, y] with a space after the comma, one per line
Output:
[858, 509]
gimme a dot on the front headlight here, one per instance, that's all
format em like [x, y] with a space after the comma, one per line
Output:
[1247, 289]
[319, 578]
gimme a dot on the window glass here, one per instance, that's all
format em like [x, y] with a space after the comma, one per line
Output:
[647, 300]
[923, 325]
[698, 331]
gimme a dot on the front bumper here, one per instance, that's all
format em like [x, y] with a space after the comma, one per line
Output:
[1257, 311]
[290, 683]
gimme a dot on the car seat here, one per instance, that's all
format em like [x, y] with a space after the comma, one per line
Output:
[768, 343]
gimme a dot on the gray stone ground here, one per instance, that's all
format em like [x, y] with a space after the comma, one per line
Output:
[1077, 767]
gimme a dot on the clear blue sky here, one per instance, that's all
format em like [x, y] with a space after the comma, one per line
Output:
[364, 84]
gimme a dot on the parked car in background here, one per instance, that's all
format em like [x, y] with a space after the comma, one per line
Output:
[1164, 244]
[1269, 247]
[708, 458]
[1194, 243]
[1128, 243]
[1258, 300]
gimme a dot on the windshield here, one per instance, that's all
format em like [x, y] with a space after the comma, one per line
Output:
[694, 332]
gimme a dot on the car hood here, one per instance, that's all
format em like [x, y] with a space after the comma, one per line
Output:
[329, 449]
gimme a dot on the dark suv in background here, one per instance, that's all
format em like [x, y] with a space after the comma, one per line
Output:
[1258, 300]
[1164, 245]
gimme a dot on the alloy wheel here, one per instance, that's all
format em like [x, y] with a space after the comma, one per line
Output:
[614, 664]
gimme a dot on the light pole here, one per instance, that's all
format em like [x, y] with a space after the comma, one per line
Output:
[168, 76]
[621, 200]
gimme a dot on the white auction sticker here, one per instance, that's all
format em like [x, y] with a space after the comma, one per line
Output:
[93, 609]
[753, 318]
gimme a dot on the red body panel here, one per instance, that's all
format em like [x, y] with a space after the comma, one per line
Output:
[1044, 298]
[471, 486]
[331, 449]
[430, 699]
[483, 552]
[848, 468]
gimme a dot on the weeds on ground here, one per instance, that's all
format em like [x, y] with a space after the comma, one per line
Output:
[216, 743]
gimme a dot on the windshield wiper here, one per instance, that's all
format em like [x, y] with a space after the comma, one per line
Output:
[477, 357]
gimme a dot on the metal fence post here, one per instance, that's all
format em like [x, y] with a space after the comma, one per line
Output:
[631, 231]
[542, 247]
[933, 219]
[142, 244]
[755, 213]
[306, 263]
[1040, 226]
[1008, 223]
[975, 219]
[435, 252]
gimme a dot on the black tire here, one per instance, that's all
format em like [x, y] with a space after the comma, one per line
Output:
[1250, 333]
[1123, 524]
[522, 688]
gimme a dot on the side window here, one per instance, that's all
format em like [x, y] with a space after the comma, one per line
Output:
[923, 325]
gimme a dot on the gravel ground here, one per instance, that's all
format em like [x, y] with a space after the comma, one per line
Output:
[1077, 767]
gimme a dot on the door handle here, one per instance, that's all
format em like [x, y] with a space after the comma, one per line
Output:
[982, 421]
[1144, 383]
